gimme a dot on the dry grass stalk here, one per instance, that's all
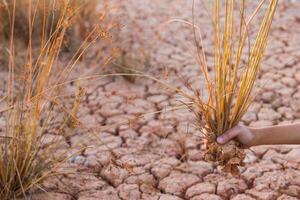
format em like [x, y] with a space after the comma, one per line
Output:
[229, 91]
[33, 94]
[21, 163]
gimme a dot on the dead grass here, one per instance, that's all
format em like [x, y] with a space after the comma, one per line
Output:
[230, 92]
[32, 94]
[236, 66]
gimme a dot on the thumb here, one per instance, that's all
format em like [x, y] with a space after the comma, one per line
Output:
[229, 135]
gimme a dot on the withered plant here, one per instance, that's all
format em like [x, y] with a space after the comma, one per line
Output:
[236, 66]
[26, 155]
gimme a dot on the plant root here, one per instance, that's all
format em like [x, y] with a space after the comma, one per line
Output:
[230, 156]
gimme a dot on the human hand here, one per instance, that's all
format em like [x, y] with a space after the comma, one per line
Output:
[242, 134]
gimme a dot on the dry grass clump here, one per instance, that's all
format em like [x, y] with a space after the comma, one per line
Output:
[235, 70]
[32, 95]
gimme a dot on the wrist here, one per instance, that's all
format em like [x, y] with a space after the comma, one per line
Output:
[257, 137]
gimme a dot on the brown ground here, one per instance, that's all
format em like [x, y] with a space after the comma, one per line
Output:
[159, 157]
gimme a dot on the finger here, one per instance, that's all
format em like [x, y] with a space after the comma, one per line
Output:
[229, 135]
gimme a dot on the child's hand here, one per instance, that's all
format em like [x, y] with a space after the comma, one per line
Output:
[242, 134]
[271, 135]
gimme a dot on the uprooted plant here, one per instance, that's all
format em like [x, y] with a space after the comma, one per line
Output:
[229, 91]
[32, 96]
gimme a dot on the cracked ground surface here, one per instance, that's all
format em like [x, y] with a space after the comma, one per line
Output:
[159, 157]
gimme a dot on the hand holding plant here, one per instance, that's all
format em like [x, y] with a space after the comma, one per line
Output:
[272, 135]
[244, 135]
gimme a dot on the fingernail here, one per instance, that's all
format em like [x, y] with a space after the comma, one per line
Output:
[220, 139]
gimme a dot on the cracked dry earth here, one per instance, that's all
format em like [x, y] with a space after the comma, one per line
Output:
[159, 157]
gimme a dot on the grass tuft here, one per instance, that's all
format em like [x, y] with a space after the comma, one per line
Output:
[236, 67]
[32, 95]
